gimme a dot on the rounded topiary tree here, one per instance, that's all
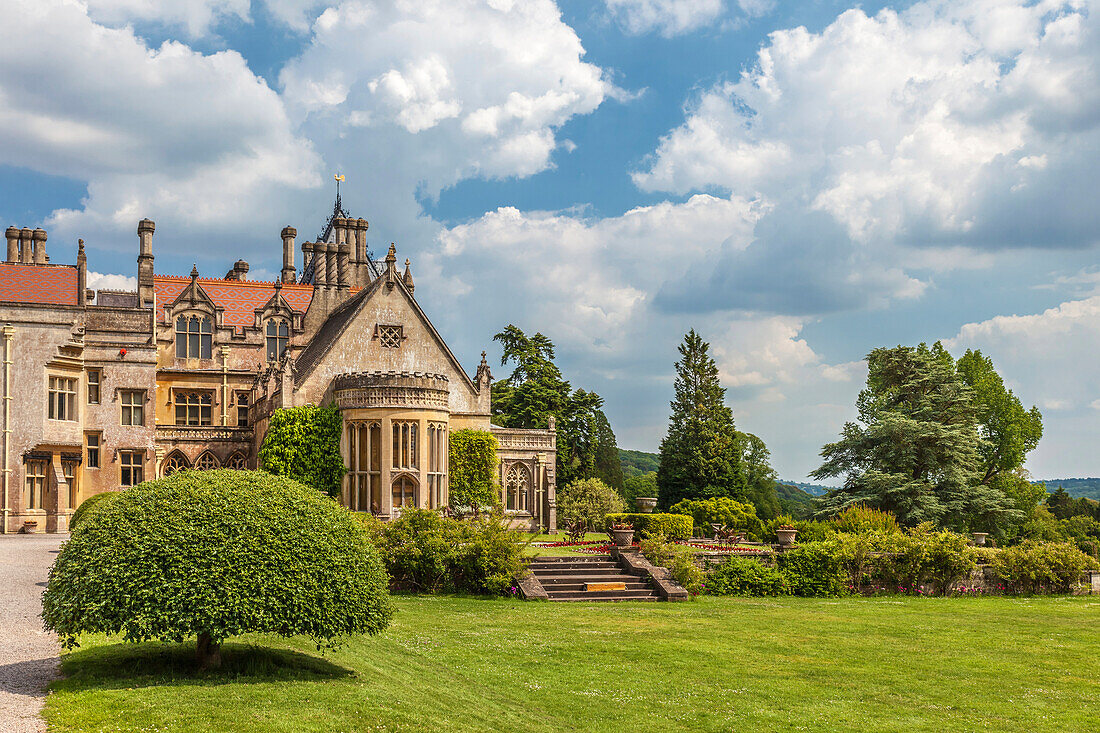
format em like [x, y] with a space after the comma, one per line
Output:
[87, 505]
[213, 554]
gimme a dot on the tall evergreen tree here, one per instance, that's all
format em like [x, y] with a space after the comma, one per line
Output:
[916, 452]
[700, 455]
[760, 484]
[535, 391]
[609, 467]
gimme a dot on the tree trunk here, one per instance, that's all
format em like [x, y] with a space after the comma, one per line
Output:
[207, 653]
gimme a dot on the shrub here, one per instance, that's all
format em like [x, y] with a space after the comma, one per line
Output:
[589, 500]
[86, 506]
[304, 444]
[861, 518]
[679, 559]
[808, 529]
[473, 460]
[427, 552]
[214, 554]
[721, 510]
[671, 526]
[1033, 567]
[814, 569]
[743, 576]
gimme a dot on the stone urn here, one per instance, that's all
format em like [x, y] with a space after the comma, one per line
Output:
[979, 538]
[786, 535]
[30, 527]
[623, 537]
[646, 504]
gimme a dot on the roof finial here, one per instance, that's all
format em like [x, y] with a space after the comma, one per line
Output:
[408, 277]
[194, 272]
[339, 204]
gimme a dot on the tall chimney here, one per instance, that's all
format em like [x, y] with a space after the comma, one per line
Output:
[13, 244]
[145, 262]
[26, 246]
[81, 274]
[331, 259]
[343, 254]
[320, 264]
[289, 273]
[361, 240]
[40, 246]
[339, 226]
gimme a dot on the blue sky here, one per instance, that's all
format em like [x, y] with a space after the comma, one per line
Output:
[800, 182]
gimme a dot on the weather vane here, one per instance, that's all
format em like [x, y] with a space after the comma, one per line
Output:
[339, 177]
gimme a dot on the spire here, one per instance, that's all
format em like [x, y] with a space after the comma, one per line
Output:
[408, 276]
[194, 272]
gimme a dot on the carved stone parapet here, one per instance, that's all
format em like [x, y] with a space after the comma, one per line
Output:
[203, 434]
[392, 389]
[523, 439]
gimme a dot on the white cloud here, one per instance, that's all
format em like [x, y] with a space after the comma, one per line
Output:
[667, 17]
[100, 281]
[196, 17]
[756, 8]
[169, 133]
[946, 123]
[457, 89]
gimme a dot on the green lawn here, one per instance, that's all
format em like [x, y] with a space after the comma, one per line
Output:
[459, 664]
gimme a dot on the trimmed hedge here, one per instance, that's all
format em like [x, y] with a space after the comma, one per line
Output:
[745, 576]
[304, 444]
[86, 506]
[672, 526]
[215, 554]
[473, 461]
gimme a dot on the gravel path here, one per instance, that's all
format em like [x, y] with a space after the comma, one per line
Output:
[28, 655]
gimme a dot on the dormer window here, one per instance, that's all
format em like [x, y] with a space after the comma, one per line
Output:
[194, 337]
[278, 337]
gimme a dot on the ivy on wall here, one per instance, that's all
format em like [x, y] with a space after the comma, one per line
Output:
[473, 456]
[304, 444]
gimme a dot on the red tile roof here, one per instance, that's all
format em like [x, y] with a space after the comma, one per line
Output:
[239, 298]
[50, 284]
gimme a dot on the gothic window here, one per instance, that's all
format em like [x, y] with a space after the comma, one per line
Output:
[133, 406]
[242, 409]
[236, 461]
[194, 337]
[516, 483]
[91, 450]
[207, 462]
[390, 336]
[174, 463]
[131, 467]
[193, 408]
[405, 445]
[364, 459]
[404, 492]
[278, 336]
[35, 484]
[437, 461]
[94, 381]
[62, 396]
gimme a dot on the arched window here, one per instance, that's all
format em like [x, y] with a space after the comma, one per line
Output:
[237, 462]
[437, 462]
[207, 462]
[175, 461]
[404, 492]
[516, 483]
[278, 336]
[194, 337]
[405, 445]
[364, 461]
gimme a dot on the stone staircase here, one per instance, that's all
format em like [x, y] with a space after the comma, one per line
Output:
[569, 579]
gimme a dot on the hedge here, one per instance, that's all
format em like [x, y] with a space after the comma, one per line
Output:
[473, 461]
[303, 443]
[672, 526]
[86, 506]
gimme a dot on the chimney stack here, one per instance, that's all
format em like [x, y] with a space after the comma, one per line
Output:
[26, 246]
[40, 247]
[331, 260]
[13, 244]
[81, 274]
[289, 274]
[320, 265]
[343, 255]
[145, 263]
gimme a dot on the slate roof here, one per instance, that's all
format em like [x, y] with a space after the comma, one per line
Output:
[48, 284]
[239, 298]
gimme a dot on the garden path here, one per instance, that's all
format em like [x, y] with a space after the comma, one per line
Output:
[28, 655]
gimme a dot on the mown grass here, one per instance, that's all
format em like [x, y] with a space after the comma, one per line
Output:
[466, 664]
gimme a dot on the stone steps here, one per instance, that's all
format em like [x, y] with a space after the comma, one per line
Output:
[565, 579]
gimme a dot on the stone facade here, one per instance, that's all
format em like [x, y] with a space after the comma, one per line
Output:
[103, 390]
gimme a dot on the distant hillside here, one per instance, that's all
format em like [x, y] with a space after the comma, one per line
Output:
[1075, 487]
[637, 462]
[812, 489]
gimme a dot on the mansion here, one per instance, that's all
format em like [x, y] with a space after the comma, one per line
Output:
[103, 390]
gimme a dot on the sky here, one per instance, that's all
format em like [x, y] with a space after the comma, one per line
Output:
[800, 182]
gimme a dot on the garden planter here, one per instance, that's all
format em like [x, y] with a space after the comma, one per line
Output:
[979, 538]
[623, 537]
[786, 536]
[30, 527]
[646, 504]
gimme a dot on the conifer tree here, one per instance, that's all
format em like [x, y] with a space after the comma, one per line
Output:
[609, 466]
[700, 455]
